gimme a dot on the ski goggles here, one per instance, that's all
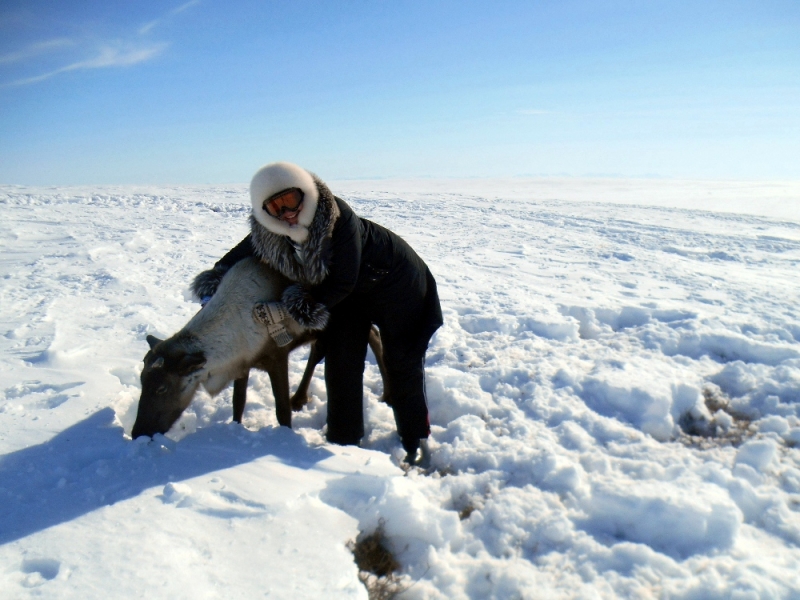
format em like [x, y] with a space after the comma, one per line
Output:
[282, 202]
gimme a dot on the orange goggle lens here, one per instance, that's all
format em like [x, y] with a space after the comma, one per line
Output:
[285, 201]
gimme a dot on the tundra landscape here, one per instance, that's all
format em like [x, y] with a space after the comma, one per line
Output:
[614, 397]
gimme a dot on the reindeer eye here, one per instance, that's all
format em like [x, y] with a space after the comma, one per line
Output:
[162, 389]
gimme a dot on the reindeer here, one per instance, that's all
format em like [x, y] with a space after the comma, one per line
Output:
[220, 344]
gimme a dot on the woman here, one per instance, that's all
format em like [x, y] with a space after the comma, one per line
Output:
[347, 274]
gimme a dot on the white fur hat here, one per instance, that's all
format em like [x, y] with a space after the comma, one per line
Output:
[276, 177]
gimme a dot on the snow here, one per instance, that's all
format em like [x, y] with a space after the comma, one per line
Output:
[615, 401]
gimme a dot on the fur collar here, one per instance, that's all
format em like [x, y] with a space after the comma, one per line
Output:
[274, 245]
[274, 178]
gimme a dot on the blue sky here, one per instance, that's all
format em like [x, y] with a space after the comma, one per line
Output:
[206, 91]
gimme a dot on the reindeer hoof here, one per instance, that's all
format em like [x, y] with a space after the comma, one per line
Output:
[298, 402]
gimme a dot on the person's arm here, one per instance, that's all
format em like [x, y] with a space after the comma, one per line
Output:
[239, 252]
[206, 283]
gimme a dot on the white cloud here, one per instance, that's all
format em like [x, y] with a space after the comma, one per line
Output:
[35, 50]
[106, 57]
[183, 7]
[119, 54]
[147, 27]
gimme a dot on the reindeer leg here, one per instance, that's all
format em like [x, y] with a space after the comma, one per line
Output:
[239, 397]
[278, 369]
[377, 349]
[300, 397]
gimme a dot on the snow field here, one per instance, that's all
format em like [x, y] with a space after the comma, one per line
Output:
[614, 402]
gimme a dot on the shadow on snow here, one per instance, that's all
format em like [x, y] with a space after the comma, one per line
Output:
[91, 465]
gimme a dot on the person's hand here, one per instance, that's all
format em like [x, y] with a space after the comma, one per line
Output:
[206, 283]
[304, 308]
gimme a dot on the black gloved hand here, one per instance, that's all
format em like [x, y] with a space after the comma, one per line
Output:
[206, 283]
[304, 308]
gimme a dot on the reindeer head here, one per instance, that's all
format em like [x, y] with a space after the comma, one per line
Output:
[169, 380]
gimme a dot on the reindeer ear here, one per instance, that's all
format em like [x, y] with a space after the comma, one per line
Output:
[189, 363]
[153, 341]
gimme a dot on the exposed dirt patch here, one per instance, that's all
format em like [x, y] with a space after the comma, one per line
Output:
[726, 427]
[377, 565]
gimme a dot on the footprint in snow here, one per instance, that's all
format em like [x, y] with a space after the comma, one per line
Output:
[39, 571]
[223, 504]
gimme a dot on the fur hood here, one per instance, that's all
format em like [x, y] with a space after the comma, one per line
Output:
[274, 178]
[296, 251]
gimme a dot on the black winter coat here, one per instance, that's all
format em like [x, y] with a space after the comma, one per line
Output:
[346, 255]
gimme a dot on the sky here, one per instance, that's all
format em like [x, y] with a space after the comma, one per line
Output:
[206, 91]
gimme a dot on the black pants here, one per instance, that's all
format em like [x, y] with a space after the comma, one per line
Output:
[404, 347]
